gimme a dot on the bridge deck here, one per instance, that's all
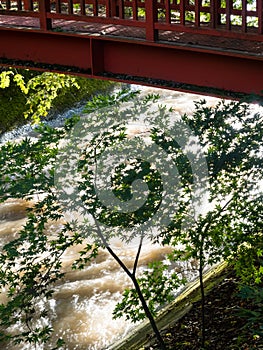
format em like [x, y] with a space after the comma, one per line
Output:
[205, 43]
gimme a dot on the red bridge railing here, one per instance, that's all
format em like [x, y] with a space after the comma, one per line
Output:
[229, 18]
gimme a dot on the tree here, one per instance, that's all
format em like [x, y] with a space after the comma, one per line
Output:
[194, 184]
[231, 138]
[30, 265]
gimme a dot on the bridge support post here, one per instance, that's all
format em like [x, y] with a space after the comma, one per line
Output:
[44, 8]
[97, 56]
[151, 18]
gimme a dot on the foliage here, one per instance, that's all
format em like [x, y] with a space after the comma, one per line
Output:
[249, 264]
[5, 79]
[231, 141]
[45, 89]
[12, 100]
[254, 317]
[249, 267]
[109, 221]
[32, 94]
[41, 90]
[30, 265]
[157, 286]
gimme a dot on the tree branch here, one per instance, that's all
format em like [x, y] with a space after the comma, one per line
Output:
[137, 256]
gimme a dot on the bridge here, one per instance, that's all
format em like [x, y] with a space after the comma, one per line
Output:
[190, 45]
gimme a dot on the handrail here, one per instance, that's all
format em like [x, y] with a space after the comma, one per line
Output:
[228, 18]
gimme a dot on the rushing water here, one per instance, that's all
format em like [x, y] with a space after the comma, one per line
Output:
[84, 300]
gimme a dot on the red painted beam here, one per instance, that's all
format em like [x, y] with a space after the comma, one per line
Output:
[45, 47]
[188, 65]
[133, 61]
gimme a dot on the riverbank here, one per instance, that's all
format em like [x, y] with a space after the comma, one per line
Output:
[225, 329]
[180, 321]
[13, 101]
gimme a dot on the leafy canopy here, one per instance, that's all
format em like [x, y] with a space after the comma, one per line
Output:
[231, 141]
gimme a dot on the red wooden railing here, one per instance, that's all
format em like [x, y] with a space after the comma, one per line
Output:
[229, 18]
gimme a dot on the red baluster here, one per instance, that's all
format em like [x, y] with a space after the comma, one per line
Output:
[44, 9]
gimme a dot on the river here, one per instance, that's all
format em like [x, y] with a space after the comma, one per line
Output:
[84, 300]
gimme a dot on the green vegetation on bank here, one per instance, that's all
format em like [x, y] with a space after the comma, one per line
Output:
[22, 91]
